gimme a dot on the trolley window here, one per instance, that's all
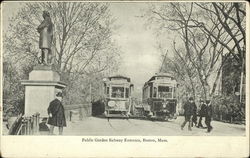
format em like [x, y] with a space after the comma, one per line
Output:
[164, 92]
[174, 92]
[108, 91]
[154, 92]
[127, 92]
[117, 92]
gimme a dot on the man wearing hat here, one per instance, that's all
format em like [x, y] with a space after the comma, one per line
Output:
[202, 113]
[189, 109]
[56, 114]
[208, 117]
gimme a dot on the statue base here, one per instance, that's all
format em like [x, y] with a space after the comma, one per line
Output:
[40, 89]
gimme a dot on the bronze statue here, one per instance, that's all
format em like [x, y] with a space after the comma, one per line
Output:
[46, 35]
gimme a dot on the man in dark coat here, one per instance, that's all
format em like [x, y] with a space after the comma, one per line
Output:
[208, 117]
[56, 114]
[194, 118]
[202, 114]
[188, 113]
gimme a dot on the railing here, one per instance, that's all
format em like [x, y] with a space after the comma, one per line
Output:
[25, 125]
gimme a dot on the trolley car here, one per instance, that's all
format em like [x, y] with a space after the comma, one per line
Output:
[118, 96]
[160, 97]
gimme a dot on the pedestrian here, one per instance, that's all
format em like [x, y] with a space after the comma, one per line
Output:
[202, 114]
[56, 114]
[188, 113]
[43, 128]
[194, 118]
[208, 117]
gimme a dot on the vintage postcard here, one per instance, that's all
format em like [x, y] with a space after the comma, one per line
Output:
[124, 79]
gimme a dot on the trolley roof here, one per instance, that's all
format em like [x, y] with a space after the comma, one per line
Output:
[119, 76]
[161, 75]
[153, 78]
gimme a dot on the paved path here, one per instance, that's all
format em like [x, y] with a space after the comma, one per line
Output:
[134, 127]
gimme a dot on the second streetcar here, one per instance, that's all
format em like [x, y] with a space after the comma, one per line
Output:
[160, 97]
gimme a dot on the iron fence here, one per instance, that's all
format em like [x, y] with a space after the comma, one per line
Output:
[25, 125]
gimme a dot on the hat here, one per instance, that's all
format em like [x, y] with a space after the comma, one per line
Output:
[207, 101]
[46, 13]
[59, 94]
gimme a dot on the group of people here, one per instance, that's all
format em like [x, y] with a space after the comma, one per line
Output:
[190, 114]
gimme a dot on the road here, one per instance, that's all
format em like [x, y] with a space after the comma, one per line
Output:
[135, 127]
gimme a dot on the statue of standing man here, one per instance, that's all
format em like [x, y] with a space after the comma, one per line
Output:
[46, 35]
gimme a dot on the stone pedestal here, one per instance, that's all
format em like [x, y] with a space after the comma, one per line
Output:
[40, 89]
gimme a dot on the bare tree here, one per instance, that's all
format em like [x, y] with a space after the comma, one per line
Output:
[201, 33]
[231, 17]
[82, 43]
[82, 34]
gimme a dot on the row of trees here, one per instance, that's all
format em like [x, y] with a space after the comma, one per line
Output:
[83, 50]
[202, 36]
[207, 45]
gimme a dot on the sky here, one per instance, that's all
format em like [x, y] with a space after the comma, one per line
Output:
[140, 58]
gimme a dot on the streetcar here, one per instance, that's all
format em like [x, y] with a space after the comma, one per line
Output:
[117, 91]
[160, 97]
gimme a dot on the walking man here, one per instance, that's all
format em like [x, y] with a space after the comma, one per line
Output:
[208, 117]
[202, 114]
[188, 113]
[56, 114]
[194, 118]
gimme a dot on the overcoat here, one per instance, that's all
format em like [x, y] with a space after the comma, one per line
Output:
[57, 110]
[46, 33]
[209, 111]
[189, 108]
[203, 110]
[194, 112]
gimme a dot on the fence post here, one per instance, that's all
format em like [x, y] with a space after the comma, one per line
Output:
[28, 125]
[89, 108]
[70, 115]
[34, 124]
[38, 121]
[80, 112]
[25, 126]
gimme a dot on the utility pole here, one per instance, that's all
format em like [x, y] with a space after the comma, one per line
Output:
[241, 81]
[163, 60]
[90, 91]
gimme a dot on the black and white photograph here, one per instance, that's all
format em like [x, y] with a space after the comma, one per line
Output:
[128, 68]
